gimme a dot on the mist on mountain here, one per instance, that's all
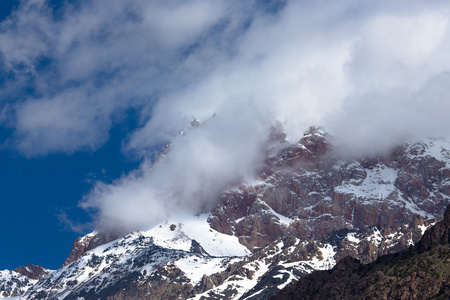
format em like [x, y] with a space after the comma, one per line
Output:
[372, 74]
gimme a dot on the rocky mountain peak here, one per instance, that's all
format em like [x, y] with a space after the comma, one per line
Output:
[33, 271]
[89, 242]
[14, 283]
[309, 192]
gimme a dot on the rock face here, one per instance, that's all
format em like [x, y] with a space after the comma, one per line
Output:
[307, 209]
[420, 272]
[320, 192]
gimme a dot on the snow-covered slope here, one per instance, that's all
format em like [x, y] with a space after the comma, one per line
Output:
[13, 283]
[166, 261]
[179, 233]
[168, 255]
[190, 246]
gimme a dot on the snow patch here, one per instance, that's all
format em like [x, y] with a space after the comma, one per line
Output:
[282, 219]
[195, 267]
[351, 237]
[188, 228]
[378, 184]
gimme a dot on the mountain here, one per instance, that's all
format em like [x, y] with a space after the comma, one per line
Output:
[420, 272]
[309, 208]
[14, 283]
[320, 192]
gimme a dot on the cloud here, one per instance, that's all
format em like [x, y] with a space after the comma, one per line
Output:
[371, 73]
[73, 69]
[221, 152]
[376, 122]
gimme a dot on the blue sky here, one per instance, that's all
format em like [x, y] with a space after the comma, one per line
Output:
[91, 90]
[36, 191]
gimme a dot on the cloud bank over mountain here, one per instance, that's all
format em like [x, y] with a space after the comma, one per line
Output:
[371, 73]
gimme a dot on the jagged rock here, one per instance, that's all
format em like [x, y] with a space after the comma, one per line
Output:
[33, 271]
[88, 242]
[420, 272]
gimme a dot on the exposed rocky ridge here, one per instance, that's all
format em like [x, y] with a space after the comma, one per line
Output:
[89, 242]
[14, 283]
[420, 272]
[33, 271]
[137, 263]
[109, 282]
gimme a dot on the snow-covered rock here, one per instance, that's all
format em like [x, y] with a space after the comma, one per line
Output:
[15, 282]
[307, 209]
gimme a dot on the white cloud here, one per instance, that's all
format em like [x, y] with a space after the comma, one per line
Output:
[372, 73]
[44, 124]
[220, 153]
[94, 60]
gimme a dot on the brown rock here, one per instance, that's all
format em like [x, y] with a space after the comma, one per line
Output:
[33, 271]
[88, 242]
